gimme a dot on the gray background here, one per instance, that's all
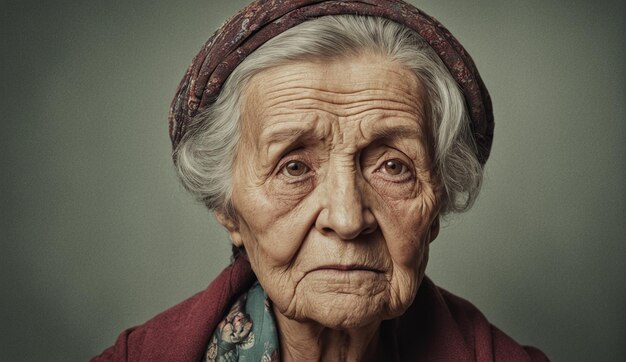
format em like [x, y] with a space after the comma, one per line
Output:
[97, 235]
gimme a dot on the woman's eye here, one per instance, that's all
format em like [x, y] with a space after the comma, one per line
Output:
[295, 169]
[394, 167]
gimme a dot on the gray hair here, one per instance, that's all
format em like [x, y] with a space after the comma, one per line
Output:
[205, 156]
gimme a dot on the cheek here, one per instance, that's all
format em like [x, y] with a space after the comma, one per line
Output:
[271, 229]
[405, 225]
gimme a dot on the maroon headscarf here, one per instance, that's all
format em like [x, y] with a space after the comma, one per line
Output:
[262, 20]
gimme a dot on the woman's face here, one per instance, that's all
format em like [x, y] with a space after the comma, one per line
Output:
[335, 197]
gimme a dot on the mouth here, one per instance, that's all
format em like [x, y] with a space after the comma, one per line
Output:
[347, 268]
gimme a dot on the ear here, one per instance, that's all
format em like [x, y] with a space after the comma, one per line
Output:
[434, 229]
[231, 225]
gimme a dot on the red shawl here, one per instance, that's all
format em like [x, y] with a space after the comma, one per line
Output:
[437, 327]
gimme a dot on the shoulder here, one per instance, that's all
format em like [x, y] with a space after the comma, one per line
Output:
[484, 335]
[448, 327]
[181, 332]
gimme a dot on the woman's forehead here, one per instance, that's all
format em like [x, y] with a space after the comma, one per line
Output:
[339, 76]
[372, 96]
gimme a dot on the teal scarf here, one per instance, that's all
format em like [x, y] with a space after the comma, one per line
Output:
[248, 333]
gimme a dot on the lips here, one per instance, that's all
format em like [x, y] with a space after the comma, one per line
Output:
[347, 268]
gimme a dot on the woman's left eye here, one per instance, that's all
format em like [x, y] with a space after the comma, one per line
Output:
[394, 167]
[295, 169]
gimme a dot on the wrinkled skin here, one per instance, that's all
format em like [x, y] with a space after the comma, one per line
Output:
[336, 200]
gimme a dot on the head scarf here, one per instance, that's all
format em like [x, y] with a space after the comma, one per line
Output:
[262, 20]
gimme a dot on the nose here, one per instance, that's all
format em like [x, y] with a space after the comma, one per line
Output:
[344, 211]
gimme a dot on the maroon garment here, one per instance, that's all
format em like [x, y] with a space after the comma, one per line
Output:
[262, 20]
[437, 327]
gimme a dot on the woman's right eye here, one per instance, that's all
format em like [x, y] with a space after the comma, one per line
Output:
[295, 169]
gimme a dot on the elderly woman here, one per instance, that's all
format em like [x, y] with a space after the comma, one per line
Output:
[329, 138]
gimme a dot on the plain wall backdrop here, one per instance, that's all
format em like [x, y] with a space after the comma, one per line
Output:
[98, 235]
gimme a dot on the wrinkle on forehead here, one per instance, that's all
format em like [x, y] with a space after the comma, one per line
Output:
[341, 79]
[340, 95]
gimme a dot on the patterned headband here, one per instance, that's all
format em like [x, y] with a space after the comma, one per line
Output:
[262, 20]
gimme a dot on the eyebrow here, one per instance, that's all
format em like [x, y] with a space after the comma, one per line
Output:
[277, 139]
[399, 131]
[285, 133]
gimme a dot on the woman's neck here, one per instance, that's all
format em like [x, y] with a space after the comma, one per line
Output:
[309, 341]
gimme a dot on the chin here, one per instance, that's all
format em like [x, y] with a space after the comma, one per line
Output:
[346, 311]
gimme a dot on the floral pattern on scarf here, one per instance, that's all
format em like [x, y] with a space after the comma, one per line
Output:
[247, 333]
